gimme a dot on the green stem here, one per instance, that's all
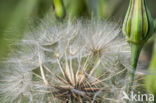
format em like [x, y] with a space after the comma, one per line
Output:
[135, 52]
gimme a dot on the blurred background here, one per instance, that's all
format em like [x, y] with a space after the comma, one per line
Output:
[17, 16]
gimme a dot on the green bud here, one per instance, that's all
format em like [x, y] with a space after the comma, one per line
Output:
[138, 27]
[138, 24]
[59, 9]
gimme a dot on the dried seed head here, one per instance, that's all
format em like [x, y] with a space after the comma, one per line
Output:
[76, 86]
[85, 53]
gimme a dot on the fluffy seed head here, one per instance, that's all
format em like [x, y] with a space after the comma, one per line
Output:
[69, 61]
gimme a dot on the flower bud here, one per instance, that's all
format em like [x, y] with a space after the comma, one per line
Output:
[59, 9]
[138, 24]
[137, 28]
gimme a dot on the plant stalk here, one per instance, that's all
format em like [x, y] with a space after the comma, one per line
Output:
[135, 52]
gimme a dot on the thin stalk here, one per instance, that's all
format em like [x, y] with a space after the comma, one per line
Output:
[43, 75]
[135, 52]
[41, 70]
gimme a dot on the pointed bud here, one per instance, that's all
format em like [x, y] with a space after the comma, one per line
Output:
[138, 27]
[138, 24]
[59, 9]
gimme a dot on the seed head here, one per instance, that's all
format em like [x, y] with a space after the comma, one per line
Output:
[76, 85]
[71, 62]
